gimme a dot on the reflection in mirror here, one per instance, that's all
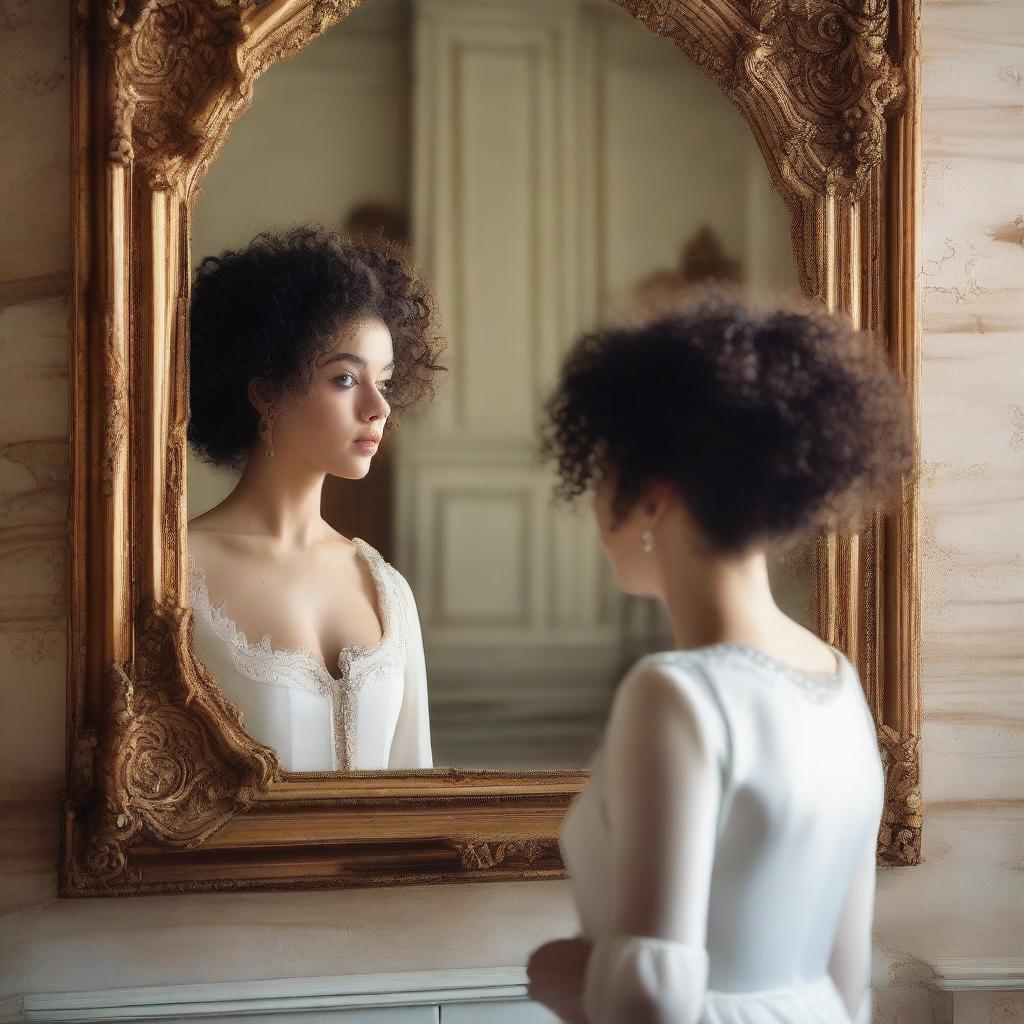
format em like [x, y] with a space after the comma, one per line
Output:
[550, 166]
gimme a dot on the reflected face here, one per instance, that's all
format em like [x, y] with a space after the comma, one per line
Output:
[337, 423]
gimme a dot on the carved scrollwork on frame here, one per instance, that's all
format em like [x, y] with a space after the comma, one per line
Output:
[181, 73]
[818, 73]
[175, 64]
[160, 765]
[481, 854]
[173, 759]
[899, 840]
[828, 63]
[313, 20]
[814, 79]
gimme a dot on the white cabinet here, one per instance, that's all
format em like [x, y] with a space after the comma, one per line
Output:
[509, 1011]
[487, 995]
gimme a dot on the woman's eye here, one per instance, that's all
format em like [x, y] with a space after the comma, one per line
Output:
[347, 380]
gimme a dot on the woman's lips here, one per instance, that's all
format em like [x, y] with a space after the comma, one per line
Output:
[368, 446]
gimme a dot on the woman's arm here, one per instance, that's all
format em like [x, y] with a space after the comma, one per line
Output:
[850, 963]
[666, 748]
[410, 746]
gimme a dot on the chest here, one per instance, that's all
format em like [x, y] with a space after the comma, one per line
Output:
[326, 614]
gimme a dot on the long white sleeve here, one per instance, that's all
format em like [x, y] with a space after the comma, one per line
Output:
[410, 747]
[665, 750]
[850, 963]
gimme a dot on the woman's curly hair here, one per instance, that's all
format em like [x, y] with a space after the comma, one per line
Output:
[268, 310]
[770, 421]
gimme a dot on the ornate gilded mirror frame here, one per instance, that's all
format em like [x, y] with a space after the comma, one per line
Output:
[165, 791]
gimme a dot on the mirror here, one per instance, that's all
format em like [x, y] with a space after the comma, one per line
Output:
[527, 239]
[497, 137]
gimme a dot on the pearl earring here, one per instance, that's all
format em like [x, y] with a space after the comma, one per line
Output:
[648, 541]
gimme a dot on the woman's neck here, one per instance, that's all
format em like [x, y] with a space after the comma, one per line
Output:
[711, 599]
[278, 498]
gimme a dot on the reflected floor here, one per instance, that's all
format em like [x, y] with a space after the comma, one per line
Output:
[469, 737]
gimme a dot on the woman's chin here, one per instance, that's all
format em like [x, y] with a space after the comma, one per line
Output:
[352, 469]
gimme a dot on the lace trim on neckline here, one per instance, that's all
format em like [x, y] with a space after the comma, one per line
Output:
[264, 664]
[821, 686]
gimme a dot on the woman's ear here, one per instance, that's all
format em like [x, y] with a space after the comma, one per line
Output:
[657, 501]
[256, 391]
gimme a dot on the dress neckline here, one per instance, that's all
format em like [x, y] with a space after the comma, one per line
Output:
[821, 686]
[225, 626]
[756, 654]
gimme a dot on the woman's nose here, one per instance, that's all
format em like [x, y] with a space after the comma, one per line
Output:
[380, 407]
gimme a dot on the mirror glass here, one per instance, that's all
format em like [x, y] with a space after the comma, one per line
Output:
[550, 166]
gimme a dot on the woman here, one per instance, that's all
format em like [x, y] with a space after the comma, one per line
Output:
[303, 344]
[722, 853]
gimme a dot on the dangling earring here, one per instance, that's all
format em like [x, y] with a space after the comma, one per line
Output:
[648, 541]
[265, 428]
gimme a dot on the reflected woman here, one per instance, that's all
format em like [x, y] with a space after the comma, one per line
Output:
[722, 853]
[304, 347]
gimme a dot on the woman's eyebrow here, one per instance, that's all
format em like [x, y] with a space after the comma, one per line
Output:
[358, 360]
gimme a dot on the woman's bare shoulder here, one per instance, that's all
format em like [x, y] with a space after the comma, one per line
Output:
[218, 536]
[336, 540]
[203, 540]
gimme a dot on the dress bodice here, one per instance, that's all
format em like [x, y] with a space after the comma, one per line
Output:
[765, 806]
[373, 716]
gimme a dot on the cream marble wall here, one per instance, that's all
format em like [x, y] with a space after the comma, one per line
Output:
[963, 903]
[967, 899]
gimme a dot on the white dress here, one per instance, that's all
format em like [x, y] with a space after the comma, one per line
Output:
[375, 716]
[724, 843]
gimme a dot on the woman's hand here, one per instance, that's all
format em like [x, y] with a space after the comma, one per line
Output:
[556, 972]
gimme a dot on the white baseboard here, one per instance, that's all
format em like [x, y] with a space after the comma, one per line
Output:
[962, 987]
[971, 974]
[286, 995]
